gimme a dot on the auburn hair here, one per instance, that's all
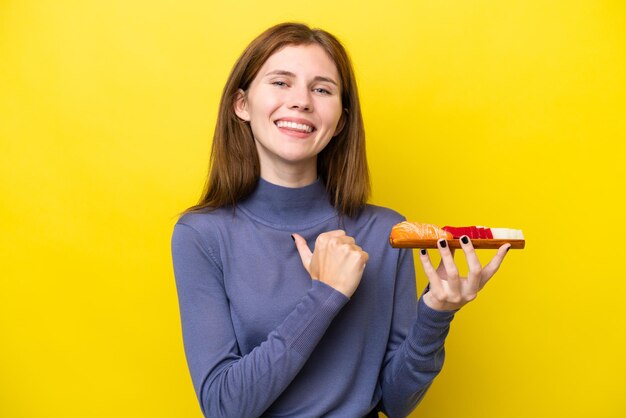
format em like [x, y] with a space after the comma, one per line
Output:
[234, 167]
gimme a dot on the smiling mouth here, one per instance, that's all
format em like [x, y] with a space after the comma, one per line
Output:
[293, 126]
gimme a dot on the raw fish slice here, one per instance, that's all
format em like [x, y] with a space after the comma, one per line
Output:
[414, 230]
[416, 235]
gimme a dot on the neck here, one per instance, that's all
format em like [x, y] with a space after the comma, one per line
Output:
[285, 206]
[290, 175]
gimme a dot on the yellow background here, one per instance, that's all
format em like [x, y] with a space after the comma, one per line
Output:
[500, 113]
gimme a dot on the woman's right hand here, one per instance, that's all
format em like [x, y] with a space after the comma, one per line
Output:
[336, 260]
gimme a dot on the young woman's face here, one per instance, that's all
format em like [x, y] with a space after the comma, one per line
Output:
[294, 108]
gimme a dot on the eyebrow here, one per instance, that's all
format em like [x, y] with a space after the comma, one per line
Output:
[290, 74]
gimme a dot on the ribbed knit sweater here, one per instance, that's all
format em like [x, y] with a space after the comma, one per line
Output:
[263, 339]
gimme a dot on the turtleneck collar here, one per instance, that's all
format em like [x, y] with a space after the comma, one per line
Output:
[285, 207]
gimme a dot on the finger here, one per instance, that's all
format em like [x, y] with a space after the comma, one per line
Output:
[335, 233]
[303, 249]
[355, 253]
[345, 239]
[490, 269]
[441, 268]
[329, 237]
[473, 263]
[429, 270]
[452, 273]
[364, 257]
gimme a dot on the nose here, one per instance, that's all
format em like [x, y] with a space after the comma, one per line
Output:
[300, 99]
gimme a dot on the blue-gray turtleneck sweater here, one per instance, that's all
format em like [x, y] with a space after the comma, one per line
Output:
[264, 339]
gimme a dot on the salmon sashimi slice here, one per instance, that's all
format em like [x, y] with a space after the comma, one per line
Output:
[417, 231]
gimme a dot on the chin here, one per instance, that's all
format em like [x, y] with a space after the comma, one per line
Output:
[298, 158]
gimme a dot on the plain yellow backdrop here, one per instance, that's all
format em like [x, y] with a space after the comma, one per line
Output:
[477, 112]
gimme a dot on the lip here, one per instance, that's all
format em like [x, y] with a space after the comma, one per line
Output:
[297, 120]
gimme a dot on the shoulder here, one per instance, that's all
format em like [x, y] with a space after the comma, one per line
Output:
[204, 230]
[206, 221]
[380, 214]
[378, 220]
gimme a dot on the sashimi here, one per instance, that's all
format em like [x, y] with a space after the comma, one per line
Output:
[411, 230]
[422, 235]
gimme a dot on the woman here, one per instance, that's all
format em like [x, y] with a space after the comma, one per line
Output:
[292, 302]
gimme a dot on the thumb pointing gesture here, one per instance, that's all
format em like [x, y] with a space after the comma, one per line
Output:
[305, 253]
[336, 261]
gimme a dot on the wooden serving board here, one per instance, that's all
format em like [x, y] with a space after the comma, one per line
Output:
[454, 243]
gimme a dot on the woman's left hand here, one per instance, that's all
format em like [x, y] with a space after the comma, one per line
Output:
[448, 291]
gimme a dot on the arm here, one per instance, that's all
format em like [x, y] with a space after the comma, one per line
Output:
[420, 357]
[228, 384]
[415, 351]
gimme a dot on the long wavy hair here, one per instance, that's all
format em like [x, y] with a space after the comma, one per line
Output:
[234, 167]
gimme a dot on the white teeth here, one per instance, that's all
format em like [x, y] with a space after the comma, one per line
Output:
[293, 125]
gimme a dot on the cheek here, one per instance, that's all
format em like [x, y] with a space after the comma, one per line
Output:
[334, 117]
[262, 105]
[334, 111]
[261, 115]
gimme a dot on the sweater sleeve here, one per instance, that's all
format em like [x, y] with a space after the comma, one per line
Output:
[228, 384]
[415, 352]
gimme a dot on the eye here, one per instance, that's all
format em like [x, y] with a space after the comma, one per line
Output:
[279, 83]
[321, 90]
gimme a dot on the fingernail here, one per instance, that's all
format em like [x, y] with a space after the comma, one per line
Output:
[464, 239]
[423, 251]
[293, 238]
[443, 243]
[508, 248]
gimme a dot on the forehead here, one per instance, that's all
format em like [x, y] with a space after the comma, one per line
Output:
[303, 60]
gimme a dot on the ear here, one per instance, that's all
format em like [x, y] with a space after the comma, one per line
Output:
[241, 106]
[342, 122]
